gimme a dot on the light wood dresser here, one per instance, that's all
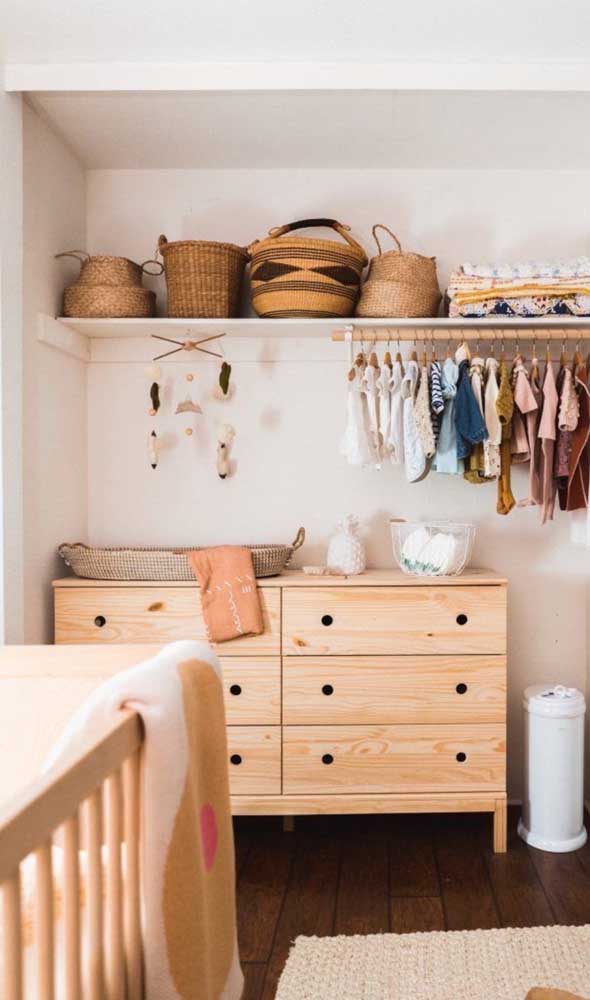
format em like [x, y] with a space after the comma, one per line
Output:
[376, 693]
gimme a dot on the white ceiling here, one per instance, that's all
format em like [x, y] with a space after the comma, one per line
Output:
[219, 30]
[323, 130]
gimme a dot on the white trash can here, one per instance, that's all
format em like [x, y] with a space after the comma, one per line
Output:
[553, 807]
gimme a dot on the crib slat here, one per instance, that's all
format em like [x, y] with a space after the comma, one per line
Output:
[114, 894]
[72, 908]
[44, 919]
[95, 908]
[133, 951]
[13, 967]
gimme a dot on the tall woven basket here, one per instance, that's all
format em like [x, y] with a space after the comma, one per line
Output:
[298, 276]
[109, 288]
[203, 278]
[399, 284]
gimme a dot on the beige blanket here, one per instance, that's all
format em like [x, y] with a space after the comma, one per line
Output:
[187, 863]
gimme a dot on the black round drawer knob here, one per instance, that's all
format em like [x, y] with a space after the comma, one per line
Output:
[327, 620]
[235, 689]
[461, 619]
[327, 759]
[236, 759]
[461, 757]
[100, 621]
[327, 689]
[461, 688]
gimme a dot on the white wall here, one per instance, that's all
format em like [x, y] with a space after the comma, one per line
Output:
[289, 414]
[11, 361]
[54, 410]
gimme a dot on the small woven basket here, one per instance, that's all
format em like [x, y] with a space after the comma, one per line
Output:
[399, 284]
[163, 564]
[109, 288]
[296, 276]
[106, 302]
[203, 278]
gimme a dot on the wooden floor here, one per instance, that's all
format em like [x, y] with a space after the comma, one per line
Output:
[365, 875]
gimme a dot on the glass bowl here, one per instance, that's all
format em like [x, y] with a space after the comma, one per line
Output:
[432, 548]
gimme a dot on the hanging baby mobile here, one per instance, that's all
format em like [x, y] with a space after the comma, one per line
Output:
[477, 417]
[188, 406]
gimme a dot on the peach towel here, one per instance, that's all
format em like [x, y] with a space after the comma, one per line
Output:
[229, 595]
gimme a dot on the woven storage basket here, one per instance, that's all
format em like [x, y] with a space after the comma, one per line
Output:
[399, 284]
[106, 302]
[163, 564]
[109, 288]
[203, 278]
[298, 276]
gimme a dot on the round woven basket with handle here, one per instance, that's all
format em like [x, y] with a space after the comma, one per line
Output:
[399, 284]
[296, 276]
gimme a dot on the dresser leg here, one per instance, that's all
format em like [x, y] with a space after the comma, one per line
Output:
[500, 828]
[288, 824]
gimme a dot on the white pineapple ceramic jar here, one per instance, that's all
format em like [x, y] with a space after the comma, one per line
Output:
[346, 551]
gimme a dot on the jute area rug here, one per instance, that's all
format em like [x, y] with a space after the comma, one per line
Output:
[452, 965]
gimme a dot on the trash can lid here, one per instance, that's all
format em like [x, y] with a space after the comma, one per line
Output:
[554, 700]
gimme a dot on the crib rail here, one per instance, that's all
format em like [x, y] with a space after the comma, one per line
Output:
[92, 809]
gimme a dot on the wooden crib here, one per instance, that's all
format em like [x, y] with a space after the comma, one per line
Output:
[69, 870]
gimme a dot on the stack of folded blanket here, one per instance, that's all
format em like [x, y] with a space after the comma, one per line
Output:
[532, 288]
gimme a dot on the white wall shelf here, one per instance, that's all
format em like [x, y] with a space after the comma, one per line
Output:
[75, 336]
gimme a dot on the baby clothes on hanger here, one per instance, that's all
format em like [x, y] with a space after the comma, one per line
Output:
[437, 400]
[491, 446]
[355, 445]
[384, 395]
[547, 436]
[446, 459]
[469, 422]
[567, 420]
[575, 495]
[475, 464]
[505, 409]
[423, 416]
[370, 389]
[395, 437]
[535, 496]
[414, 457]
[524, 401]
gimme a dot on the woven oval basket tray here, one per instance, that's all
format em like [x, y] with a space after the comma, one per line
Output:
[163, 564]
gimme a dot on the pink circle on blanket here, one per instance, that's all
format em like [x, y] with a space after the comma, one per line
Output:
[208, 835]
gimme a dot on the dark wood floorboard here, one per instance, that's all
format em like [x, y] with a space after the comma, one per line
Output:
[262, 884]
[364, 875]
[466, 890]
[362, 905]
[310, 901]
[254, 976]
[417, 913]
[413, 865]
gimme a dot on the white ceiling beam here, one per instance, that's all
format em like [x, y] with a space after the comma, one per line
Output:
[175, 77]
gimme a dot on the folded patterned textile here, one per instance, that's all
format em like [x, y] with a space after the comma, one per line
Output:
[576, 267]
[548, 305]
[526, 289]
[229, 595]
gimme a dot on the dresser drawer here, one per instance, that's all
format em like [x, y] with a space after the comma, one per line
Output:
[254, 754]
[394, 620]
[252, 690]
[329, 690]
[381, 759]
[151, 615]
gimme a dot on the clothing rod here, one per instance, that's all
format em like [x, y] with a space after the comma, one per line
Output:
[392, 334]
